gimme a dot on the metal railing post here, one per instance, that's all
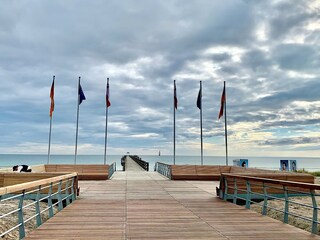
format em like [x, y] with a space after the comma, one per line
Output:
[286, 205]
[67, 192]
[235, 191]
[60, 206]
[155, 167]
[50, 201]
[314, 228]
[265, 199]
[37, 206]
[248, 199]
[225, 197]
[73, 193]
[22, 232]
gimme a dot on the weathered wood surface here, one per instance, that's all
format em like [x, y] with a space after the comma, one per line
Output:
[213, 173]
[144, 205]
[20, 181]
[85, 171]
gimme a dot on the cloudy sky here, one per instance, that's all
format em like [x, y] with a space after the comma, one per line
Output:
[268, 52]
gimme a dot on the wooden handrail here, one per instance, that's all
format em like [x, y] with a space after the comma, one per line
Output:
[275, 181]
[27, 185]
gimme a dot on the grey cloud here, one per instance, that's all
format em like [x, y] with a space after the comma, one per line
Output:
[289, 17]
[221, 57]
[290, 141]
[68, 39]
[306, 92]
[297, 56]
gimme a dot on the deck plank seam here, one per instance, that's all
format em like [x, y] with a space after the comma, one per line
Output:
[181, 203]
[185, 207]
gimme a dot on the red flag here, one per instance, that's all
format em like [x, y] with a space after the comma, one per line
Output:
[52, 98]
[223, 100]
[175, 96]
[107, 95]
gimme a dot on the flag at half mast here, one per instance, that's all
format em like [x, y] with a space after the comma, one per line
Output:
[107, 95]
[223, 100]
[52, 98]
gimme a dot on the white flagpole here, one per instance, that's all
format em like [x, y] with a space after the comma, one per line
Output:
[201, 123]
[106, 129]
[76, 147]
[49, 147]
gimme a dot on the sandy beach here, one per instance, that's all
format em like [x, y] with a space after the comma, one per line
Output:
[11, 220]
[293, 208]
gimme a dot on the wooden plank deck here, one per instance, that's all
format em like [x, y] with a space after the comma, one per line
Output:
[145, 205]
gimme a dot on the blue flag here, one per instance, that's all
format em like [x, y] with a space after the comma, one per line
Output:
[81, 95]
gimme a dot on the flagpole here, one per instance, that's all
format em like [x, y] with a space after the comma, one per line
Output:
[76, 147]
[201, 123]
[225, 120]
[174, 123]
[106, 129]
[49, 147]
[49, 140]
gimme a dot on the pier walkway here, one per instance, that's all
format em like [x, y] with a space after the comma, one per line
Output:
[145, 205]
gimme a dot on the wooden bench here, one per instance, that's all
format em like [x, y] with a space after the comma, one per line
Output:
[208, 173]
[85, 171]
[198, 172]
[213, 172]
[184, 172]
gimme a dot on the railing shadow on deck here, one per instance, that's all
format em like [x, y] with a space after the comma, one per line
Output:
[254, 190]
[57, 192]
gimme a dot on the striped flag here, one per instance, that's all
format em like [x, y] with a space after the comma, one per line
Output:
[175, 96]
[223, 100]
[52, 98]
[81, 94]
[107, 95]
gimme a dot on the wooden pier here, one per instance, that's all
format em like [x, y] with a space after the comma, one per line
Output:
[136, 204]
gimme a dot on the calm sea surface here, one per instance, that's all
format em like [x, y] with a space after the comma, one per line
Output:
[8, 160]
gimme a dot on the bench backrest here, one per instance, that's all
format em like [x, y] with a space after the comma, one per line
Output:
[79, 168]
[183, 170]
[207, 169]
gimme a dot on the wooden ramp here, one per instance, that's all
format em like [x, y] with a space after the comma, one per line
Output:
[145, 205]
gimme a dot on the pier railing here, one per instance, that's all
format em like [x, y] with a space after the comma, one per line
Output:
[57, 192]
[142, 163]
[163, 168]
[249, 189]
[112, 169]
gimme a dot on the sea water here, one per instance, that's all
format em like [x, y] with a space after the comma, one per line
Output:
[9, 160]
